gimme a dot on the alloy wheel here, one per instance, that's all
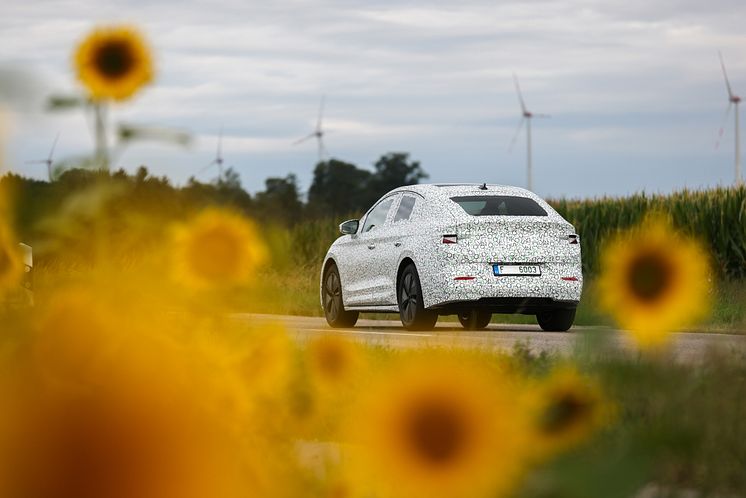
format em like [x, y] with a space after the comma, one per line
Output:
[332, 295]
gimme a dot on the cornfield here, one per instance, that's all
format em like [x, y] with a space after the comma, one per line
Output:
[717, 217]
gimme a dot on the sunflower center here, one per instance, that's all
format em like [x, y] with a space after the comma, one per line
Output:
[436, 432]
[114, 59]
[332, 361]
[564, 412]
[649, 276]
[214, 254]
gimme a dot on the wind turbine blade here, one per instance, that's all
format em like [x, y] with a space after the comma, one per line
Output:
[54, 144]
[214, 161]
[321, 113]
[220, 143]
[725, 74]
[520, 95]
[545, 116]
[39, 161]
[721, 130]
[304, 139]
[517, 132]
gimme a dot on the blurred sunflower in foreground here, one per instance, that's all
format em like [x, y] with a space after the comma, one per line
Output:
[654, 280]
[567, 409]
[114, 63]
[332, 361]
[11, 262]
[139, 423]
[437, 428]
[217, 249]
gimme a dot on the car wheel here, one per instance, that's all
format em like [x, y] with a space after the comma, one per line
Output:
[475, 319]
[334, 310]
[556, 320]
[412, 310]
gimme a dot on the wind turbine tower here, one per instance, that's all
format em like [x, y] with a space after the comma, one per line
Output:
[526, 117]
[218, 161]
[49, 160]
[733, 101]
[318, 132]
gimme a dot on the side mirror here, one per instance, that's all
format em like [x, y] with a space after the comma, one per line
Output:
[349, 227]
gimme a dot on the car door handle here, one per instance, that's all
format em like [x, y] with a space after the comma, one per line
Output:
[397, 244]
[371, 246]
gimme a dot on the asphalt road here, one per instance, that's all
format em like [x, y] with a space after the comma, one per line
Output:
[686, 346]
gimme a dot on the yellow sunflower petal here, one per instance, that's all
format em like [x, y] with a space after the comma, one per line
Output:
[11, 260]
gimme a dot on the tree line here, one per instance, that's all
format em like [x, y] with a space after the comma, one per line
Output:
[338, 189]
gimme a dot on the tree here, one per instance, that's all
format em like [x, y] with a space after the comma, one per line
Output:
[280, 200]
[230, 179]
[394, 170]
[338, 189]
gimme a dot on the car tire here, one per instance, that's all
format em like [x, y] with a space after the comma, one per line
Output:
[331, 293]
[412, 310]
[475, 319]
[556, 320]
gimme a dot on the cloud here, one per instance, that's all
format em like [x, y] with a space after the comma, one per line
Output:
[625, 80]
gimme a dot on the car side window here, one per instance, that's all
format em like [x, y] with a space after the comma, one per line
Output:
[406, 206]
[377, 217]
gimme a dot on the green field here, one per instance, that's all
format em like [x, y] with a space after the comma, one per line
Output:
[85, 217]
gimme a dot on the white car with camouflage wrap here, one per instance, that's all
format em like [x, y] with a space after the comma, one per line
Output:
[470, 250]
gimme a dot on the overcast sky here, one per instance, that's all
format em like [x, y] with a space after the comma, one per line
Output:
[633, 87]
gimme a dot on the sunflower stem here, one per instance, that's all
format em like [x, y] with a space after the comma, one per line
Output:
[102, 149]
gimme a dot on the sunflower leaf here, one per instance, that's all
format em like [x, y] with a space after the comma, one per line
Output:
[130, 133]
[65, 102]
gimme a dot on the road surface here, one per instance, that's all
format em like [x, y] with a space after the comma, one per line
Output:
[686, 346]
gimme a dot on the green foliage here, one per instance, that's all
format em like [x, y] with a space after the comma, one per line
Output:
[717, 217]
[677, 428]
[394, 170]
[59, 218]
[339, 188]
[280, 201]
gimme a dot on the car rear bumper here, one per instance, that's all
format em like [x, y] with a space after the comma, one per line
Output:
[523, 305]
[560, 285]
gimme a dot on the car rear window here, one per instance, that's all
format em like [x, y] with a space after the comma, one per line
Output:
[499, 205]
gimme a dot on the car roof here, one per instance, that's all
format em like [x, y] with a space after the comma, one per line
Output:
[442, 190]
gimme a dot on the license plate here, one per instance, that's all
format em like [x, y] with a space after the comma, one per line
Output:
[526, 270]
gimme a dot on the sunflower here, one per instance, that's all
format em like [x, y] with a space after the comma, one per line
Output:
[332, 360]
[124, 438]
[114, 63]
[265, 363]
[654, 280]
[11, 262]
[75, 336]
[567, 408]
[218, 248]
[148, 418]
[436, 428]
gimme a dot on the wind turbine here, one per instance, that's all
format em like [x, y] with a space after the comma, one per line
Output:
[218, 158]
[526, 117]
[48, 161]
[317, 133]
[733, 100]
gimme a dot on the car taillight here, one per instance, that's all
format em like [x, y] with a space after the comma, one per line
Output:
[450, 239]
